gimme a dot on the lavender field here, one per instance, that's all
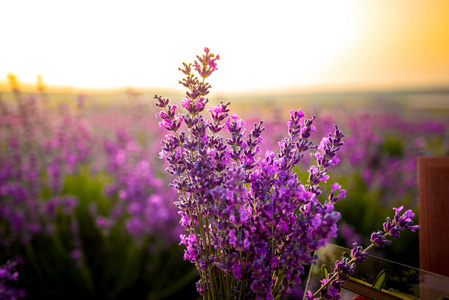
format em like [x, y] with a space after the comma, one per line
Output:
[86, 210]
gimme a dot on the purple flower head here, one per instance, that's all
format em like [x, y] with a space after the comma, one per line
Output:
[332, 288]
[405, 220]
[335, 187]
[309, 296]
[399, 222]
[379, 239]
[216, 109]
[234, 125]
[358, 254]
[199, 287]
[184, 103]
[333, 197]
[76, 254]
[237, 269]
[294, 124]
[192, 252]
[213, 64]
[323, 143]
[103, 222]
[334, 293]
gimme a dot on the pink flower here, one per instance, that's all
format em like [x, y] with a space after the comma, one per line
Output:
[212, 64]
[215, 109]
[335, 187]
[103, 222]
[186, 102]
[75, 254]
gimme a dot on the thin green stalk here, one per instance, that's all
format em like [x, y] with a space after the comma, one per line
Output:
[202, 233]
[231, 282]
[278, 282]
[203, 283]
[214, 284]
[243, 283]
[212, 276]
[222, 287]
[336, 273]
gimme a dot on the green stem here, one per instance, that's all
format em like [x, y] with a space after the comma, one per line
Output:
[278, 282]
[336, 273]
[243, 283]
[204, 280]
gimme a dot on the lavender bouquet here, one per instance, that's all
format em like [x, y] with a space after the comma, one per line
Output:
[251, 224]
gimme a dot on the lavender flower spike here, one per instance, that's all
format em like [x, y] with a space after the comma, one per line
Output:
[379, 239]
[358, 254]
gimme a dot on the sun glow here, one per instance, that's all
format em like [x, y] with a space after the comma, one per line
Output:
[289, 46]
[105, 44]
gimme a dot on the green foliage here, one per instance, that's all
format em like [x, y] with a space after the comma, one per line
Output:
[437, 146]
[393, 145]
[112, 265]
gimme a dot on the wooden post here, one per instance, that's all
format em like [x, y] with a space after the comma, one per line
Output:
[433, 189]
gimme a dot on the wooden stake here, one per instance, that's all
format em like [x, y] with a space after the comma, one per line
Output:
[433, 189]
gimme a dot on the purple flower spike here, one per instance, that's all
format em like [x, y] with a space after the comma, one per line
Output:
[379, 239]
[404, 222]
[344, 267]
[400, 222]
[358, 254]
[199, 287]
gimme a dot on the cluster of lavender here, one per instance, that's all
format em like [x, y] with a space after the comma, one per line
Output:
[52, 175]
[251, 224]
[35, 166]
[33, 163]
[331, 286]
[384, 148]
[381, 147]
[26, 173]
[378, 164]
[381, 156]
[136, 194]
[8, 275]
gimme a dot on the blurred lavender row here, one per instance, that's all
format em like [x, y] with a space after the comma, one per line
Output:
[75, 175]
[81, 184]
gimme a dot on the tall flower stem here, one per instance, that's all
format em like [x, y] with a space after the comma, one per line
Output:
[337, 272]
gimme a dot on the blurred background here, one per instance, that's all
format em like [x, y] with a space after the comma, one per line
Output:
[86, 211]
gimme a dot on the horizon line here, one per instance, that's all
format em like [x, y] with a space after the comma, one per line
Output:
[30, 88]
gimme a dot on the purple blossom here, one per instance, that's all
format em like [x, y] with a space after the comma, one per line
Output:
[243, 213]
[103, 222]
[358, 253]
[399, 222]
[76, 254]
[309, 296]
[344, 267]
[379, 239]
[8, 274]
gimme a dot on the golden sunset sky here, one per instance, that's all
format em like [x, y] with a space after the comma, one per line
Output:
[332, 44]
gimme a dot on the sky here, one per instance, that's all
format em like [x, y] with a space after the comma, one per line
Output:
[338, 44]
